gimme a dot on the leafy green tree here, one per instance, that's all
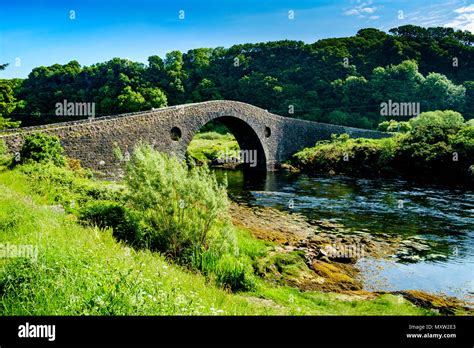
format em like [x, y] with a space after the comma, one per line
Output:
[338, 117]
[154, 97]
[42, 148]
[469, 100]
[349, 74]
[437, 92]
[206, 90]
[155, 72]
[7, 103]
[131, 101]
[400, 83]
[175, 76]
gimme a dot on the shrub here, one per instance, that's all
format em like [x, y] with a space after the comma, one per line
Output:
[463, 144]
[435, 124]
[108, 214]
[427, 147]
[179, 206]
[41, 148]
[438, 145]
[5, 158]
[394, 126]
[103, 214]
[345, 155]
[464, 141]
[69, 188]
[118, 155]
[6, 123]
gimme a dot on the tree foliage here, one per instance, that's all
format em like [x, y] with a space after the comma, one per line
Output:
[436, 145]
[341, 80]
[42, 148]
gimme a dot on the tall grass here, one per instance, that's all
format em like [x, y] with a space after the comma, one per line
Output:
[83, 270]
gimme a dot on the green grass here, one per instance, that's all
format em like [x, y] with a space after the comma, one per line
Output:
[83, 270]
[206, 147]
[86, 271]
[349, 156]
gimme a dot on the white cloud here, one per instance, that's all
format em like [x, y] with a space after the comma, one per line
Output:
[465, 9]
[351, 12]
[368, 9]
[361, 9]
[464, 20]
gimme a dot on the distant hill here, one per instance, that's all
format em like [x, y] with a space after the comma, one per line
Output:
[338, 80]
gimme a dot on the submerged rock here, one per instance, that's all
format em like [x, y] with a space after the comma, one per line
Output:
[313, 255]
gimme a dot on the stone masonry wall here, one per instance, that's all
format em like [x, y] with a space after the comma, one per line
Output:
[274, 137]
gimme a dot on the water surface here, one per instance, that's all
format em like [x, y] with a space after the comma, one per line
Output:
[442, 216]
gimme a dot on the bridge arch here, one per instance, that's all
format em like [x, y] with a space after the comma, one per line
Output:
[249, 139]
[171, 129]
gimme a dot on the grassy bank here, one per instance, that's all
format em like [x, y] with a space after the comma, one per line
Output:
[436, 146]
[84, 270]
[209, 146]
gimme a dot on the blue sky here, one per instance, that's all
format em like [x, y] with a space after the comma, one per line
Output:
[41, 32]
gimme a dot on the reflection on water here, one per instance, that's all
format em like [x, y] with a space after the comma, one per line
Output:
[444, 216]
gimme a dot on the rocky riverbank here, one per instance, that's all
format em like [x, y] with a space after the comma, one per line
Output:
[321, 255]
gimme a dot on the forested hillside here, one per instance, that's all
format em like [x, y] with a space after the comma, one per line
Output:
[340, 80]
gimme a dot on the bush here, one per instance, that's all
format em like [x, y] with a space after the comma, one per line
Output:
[42, 148]
[5, 158]
[179, 206]
[427, 147]
[394, 126]
[69, 188]
[103, 214]
[6, 123]
[435, 124]
[438, 145]
[74, 164]
[464, 141]
[107, 214]
[349, 156]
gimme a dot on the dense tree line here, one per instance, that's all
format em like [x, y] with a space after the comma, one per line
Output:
[437, 146]
[342, 80]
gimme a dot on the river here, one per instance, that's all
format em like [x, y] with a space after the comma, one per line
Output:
[443, 217]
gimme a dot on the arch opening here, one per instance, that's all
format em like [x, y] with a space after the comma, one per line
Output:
[228, 141]
[175, 134]
[268, 132]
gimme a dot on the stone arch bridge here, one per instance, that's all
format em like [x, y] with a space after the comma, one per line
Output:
[171, 129]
